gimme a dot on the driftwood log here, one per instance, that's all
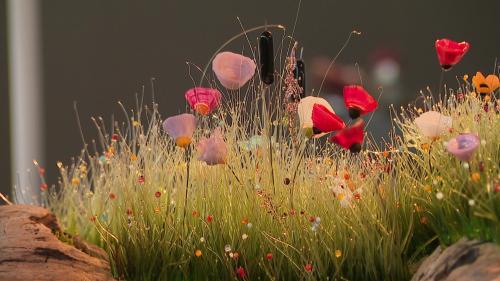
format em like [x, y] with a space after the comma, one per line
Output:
[30, 250]
[466, 260]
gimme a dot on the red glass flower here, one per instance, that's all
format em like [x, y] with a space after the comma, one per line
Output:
[450, 52]
[203, 100]
[358, 101]
[324, 120]
[351, 137]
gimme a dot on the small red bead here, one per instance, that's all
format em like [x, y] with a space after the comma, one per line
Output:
[141, 179]
[308, 267]
[240, 271]
[210, 218]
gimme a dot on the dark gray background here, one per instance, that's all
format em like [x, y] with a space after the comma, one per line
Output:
[98, 52]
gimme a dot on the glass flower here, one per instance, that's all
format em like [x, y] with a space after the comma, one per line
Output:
[305, 111]
[233, 70]
[463, 146]
[432, 124]
[358, 101]
[485, 85]
[350, 137]
[344, 195]
[450, 52]
[324, 120]
[203, 100]
[213, 150]
[181, 128]
[253, 143]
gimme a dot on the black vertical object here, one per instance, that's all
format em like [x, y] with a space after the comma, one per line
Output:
[266, 57]
[300, 75]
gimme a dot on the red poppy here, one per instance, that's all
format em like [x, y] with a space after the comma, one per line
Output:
[351, 137]
[43, 186]
[240, 271]
[269, 256]
[115, 137]
[450, 52]
[325, 121]
[157, 194]
[358, 101]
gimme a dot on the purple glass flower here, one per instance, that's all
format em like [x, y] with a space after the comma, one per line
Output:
[463, 146]
[213, 150]
[181, 128]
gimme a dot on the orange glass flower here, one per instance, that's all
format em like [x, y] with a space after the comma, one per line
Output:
[485, 85]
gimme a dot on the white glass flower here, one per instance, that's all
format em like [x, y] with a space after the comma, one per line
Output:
[432, 124]
[345, 195]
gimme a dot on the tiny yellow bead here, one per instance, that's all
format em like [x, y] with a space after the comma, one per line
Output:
[338, 253]
[475, 177]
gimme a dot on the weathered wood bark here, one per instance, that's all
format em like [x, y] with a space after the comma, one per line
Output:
[29, 250]
[465, 260]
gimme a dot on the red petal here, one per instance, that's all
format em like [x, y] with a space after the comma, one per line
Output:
[356, 97]
[350, 135]
[325, 120]
[450, 52]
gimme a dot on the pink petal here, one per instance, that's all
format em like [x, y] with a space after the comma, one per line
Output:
[233, 70]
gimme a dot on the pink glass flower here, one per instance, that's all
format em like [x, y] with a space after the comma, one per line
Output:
[233, 70]
[463, 146]
[213, 150]
[181, 128]
[203, 100]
